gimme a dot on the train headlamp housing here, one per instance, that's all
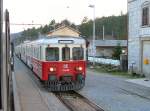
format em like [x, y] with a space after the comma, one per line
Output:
[79, 68]
[52, 69]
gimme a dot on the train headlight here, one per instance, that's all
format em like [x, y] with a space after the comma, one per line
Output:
[79, 68]
[52, 69]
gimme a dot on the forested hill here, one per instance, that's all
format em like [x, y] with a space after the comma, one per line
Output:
[115, 27]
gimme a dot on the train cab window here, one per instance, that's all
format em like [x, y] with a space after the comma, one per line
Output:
[78, 53]
[65, 53]
[52, 54]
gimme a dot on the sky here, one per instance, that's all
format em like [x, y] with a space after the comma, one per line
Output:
[43, 11]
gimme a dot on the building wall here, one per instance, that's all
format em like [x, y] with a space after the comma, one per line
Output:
[105, 48]
[104, 52]
[137, 34]
[65, 32]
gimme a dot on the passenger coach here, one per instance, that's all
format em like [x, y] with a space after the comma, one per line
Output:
[59, 62]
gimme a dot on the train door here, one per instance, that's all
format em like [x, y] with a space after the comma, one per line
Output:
[65, 53]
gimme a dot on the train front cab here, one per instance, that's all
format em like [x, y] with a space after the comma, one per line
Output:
[64, 67]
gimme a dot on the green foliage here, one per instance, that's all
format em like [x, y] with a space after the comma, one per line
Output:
[115, 26]
[66, 22]
[86, 28]
[85, 20]
[45, 29]
[29, 34]
[117, 52]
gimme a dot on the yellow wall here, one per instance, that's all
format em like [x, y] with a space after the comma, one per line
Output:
[65, 32]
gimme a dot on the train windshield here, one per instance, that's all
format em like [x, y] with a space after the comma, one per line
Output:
[65, 53]
[78, 53]
[52, 54]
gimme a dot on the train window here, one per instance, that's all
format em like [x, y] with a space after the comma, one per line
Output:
[52, 54]
[65, 53]
[77, 53]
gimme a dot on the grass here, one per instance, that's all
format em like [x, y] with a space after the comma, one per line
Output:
[114, 72]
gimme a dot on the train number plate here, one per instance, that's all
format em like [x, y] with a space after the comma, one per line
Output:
[65, 66]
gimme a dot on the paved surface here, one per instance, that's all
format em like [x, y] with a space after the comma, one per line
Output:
[111, 93]
[144, 81]
[115, 93]
[30, 96]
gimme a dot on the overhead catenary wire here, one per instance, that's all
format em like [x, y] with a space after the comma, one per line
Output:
[25, 24]
[29, 24]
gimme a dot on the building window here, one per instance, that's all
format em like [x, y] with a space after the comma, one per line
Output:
[145, 16]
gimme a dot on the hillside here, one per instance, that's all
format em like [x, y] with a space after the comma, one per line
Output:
[115, 28]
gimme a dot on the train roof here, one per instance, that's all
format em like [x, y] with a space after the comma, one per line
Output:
[58, 40]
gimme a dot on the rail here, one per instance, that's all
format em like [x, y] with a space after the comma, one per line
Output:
[76, 102]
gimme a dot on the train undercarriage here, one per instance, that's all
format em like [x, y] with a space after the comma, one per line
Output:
[64, 86]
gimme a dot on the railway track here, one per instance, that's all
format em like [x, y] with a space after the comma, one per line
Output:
[76, 102]
[71, 99]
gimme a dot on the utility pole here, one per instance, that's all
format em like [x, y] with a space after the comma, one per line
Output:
[3, 74]
[93, 46]
[103, 32]
[1, 34]
[112, 34]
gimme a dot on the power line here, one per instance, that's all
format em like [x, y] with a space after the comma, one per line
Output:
[30, 24]
[25, 24]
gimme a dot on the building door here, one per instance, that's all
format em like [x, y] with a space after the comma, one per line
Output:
[146, 58]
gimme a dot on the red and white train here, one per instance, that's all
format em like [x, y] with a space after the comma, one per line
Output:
[58, 61]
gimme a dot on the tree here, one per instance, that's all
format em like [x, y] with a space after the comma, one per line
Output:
[52, 22]
[85, 20]
[117, 52]
[86, 29]
[45, 29]
[66, 22]
[115, 26]
[52, 25]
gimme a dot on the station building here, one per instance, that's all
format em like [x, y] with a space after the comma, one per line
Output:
[139, 36]
[105, 48]
[65, 31]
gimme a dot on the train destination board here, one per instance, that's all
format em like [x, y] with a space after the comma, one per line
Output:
[65, 41]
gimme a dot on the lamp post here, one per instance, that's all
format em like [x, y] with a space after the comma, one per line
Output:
[93, 45]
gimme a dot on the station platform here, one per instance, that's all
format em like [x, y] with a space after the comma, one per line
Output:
[28, 96]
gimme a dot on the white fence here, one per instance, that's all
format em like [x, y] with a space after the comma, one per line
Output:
[104, 61]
